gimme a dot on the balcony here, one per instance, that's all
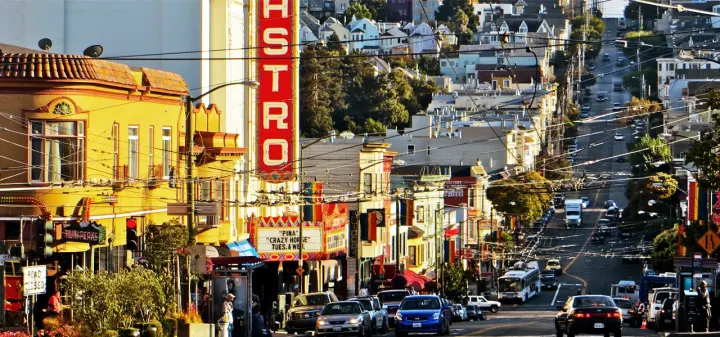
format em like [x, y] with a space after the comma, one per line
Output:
[155, 176]
[121, 177]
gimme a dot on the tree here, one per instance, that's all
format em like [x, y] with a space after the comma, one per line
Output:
[665, 247]
[524, 196]
[379, 9]
[647, 151]
[449, 8]
[660, 186]
[594, 31]
[703, 153]
[506, 238]
[454, 282]
[639, 107]
[162, 243]
[645, 45]
[461, 21]
[588, 79]
[649, 12]
[320, 91]
[334, 45]
[633, 81]
[423, 92]
[429, 65]
[358, 10]
[553, 167]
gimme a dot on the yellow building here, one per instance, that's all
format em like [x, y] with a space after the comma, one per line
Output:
[89, 144]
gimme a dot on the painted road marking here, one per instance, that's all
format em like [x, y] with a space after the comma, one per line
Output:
[556, 294]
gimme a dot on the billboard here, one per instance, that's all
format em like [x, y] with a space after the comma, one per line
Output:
[278, 89]
[278, 238]
[457, 190]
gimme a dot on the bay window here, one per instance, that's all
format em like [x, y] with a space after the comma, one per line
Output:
[57, 151]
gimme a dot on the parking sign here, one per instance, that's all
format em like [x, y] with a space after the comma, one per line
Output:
[34, 278]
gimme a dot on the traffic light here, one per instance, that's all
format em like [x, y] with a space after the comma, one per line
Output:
[133, 241]
[45, 238]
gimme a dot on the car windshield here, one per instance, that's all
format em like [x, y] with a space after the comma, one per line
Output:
[660, 297]
[573, 212]
[594, 301]
[553, 264]
[623, 304]
[342, 309]
[392, 296]
[585, 199]
[366, 303]
[509, 284]
[307, 300]
[420, 304]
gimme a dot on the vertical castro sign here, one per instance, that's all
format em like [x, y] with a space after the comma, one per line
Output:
[277, 71]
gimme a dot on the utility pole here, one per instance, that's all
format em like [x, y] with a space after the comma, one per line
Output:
[397, 235]
[189, 165]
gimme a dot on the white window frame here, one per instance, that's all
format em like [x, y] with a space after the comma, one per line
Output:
[166, 151]
[43, 139]
[151, 149]
[134, 151]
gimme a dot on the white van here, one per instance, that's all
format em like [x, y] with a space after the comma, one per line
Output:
[657, 296]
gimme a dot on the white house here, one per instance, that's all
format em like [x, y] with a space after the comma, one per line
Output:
[364, 35]
[422, 40]
[462, 67]
[394, 41]
[447, 35]
[333, 26]
[424, 10]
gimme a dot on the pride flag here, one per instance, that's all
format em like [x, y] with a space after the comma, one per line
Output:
[681, 235]
[313, 194]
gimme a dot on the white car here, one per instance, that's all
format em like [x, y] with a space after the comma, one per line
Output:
[619, 136]
[483, 303]
[585, 202]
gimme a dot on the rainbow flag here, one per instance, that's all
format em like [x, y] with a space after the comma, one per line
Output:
[512, 223]
[407, 212]
[313, 194]
[682, 250]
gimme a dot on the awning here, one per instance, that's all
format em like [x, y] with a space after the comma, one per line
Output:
[452, 231]
[415, 280]
[244, 248]
[414, 232]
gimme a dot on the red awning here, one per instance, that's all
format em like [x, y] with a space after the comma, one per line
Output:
[415, 280]
[452, 231]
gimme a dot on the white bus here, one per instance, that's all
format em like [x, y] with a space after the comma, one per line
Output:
[521, 283]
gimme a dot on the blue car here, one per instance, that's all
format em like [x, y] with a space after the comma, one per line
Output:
[422, 314]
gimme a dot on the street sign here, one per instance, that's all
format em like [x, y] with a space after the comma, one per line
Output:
[709, 242]
[697, 257]
[34, 278]
[300, 270]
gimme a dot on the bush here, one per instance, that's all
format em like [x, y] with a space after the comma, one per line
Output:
[188, 317]
[52, 323]
[63, 331]
[13, 334]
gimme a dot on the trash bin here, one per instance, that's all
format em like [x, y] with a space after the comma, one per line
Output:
[223, 329]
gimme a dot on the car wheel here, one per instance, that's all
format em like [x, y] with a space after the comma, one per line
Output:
[441, 330]
[570, 333]
[400, 334]
[494, 309]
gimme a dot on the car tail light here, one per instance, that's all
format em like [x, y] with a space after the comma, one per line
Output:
[581, 315]
[614, 315]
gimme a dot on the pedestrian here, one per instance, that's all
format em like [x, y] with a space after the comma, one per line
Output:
[258, 322]
[227, 310]
[704, 311]
[54, 307]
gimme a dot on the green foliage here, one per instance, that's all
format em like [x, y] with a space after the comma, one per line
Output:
[163, 242]
[96, 305]
[524, 196]
[703, 153]
[449, 9]
[454, 282]
[320, 91]
[358, 10]
[660, 186]
[594, 31]
[639, 107]
[633, 81]
[588, 79]
[506, 238]
[712, 99]
[429, 65]
[553, 166]
[461, 21]
[644, 44]
[649, 12]
[379, 9]
[651, 150]
[664, 250]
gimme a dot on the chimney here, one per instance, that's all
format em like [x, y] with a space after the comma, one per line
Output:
[332, 136]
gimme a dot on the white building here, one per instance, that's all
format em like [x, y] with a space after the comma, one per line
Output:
[364, 35]
[422, 40]
[424, 10]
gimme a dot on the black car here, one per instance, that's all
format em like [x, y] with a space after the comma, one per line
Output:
[475, 313]
[666, 319]
[589, 314]
[547, 279]
[597, 238]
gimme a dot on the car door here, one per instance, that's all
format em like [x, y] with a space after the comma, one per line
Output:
[563, 315]
[378, 313]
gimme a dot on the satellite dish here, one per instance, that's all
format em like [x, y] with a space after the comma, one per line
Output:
[45, 44]
[93, 51]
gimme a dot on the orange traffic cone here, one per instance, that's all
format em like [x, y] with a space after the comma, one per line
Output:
[644, 325]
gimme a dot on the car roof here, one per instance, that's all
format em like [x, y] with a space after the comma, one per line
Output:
[345, 302]
[411, 297]
[394, 291]
[553, 260]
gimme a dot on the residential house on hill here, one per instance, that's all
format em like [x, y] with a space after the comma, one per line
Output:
[394, 41]
[364, 35]
[424, 10]
[400, 10]
[422, 41]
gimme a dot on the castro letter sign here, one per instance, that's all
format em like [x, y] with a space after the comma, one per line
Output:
[277, 69]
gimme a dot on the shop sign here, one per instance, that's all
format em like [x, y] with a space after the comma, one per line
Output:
[287, 240]
[277, 92]
[354, 234]
[336, 241]
[90, 232]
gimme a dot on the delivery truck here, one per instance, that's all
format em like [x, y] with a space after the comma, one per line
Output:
[573, 213]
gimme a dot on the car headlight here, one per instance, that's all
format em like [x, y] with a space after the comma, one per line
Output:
[355, 320]
[398, 317]
[436, 315]
[321, 322]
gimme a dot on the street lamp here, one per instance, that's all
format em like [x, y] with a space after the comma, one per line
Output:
[189, 140]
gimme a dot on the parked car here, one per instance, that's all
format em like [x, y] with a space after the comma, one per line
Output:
[421, 314]
[475, 313]
[668, 315]
[347, 317]
[591, 67]
[609, 203]
[305, 310]
[619, 136]
[483, 303]
[459, 314]
[390, 300]
[589, 314]
[377, 313]
[626, 307]
[585, 107]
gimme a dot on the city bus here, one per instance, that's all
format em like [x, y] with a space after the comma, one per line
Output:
[521, 283]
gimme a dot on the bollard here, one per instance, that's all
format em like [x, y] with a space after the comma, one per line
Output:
[223, 329]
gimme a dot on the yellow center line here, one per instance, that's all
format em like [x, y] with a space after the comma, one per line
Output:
[495, 327]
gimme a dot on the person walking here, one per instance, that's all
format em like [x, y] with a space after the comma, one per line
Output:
[227, 310]
[258, 322]
[704, 313]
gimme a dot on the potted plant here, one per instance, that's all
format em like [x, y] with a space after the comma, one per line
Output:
[190, 324]
[126, 327]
